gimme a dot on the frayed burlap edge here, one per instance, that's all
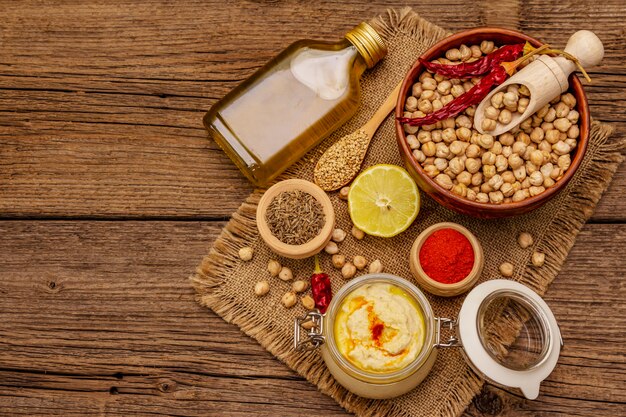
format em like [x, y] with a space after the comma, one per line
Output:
[241, 231]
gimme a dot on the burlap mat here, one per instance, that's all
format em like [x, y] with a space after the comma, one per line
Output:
[225, 284]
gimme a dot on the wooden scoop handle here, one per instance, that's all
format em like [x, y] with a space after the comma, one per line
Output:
[585, 46]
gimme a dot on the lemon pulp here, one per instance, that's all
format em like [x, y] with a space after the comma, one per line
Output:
[383, 200]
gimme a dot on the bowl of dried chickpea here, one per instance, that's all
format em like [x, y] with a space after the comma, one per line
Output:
[483, 174]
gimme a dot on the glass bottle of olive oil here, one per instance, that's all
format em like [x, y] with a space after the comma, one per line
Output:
[297, 99]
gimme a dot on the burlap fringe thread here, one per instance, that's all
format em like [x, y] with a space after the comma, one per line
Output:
[241, 231]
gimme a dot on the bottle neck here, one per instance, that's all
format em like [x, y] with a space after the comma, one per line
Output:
[368, 43]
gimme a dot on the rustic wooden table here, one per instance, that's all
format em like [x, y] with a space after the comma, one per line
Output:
[110, 194]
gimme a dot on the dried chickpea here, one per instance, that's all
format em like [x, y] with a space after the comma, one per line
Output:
[505, 117]
[506, 269]
[331, 248]
[357, 233]
[538, 259]
[289, 299]
[246, 253]
[412, 142]
[360, 262]
[343, 193]
[489, 171]
[417, 154]
[525, 240]
[429, 148]
[410, 104]
[457, 90]
[416, 90]
[464, 178]
[348, 271]
[338, 235]
[507, 189]
[445, 181]
[453, 54]
[261, 288]
[299, 286]
[496, 197]
[508, 176]
[338, 261]
[561, 109]
[488, 125]
[536, 190]
[473, 165]
[441, 163]
[487, 47]
[376, 267]
[460, 189]
[285, 274]
[308, 302]
[273, 267]
[431, 171]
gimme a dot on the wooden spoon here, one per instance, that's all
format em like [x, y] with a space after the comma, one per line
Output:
[342, 161]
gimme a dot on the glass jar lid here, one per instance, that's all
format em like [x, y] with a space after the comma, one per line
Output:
[509, 335]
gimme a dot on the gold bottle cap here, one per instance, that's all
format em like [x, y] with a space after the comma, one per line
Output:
[368, 42]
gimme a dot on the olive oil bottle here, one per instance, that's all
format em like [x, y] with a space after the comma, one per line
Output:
[297, 99]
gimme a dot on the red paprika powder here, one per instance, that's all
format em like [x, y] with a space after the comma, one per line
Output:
[447, 256]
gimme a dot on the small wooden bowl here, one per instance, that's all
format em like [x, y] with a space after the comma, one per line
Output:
[296, 251]
[436, 287]
[449, 199]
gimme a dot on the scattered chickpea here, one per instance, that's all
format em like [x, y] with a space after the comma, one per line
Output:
[360, 262]
[538, 259]
[376, 267]
[308, 302]
[285, 274]
[273, 267]
[525, 240]
[506, 269]
[299, 286]
[338, 261]
[261, 288]
[348, 270]
[289, 299]
[343, 193]
[246, 253]
[338, 235]
[331, 248]
[308, 325]
[357, 233]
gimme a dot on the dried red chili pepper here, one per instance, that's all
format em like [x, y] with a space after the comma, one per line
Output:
[480, 66]
[474, 96]
[320, 287]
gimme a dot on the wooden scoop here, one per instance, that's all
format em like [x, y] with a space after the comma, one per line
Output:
[342, 161]
[546, 78]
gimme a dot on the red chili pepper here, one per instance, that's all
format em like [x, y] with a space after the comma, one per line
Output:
[320, 287]
[478, 67]
[469, 98]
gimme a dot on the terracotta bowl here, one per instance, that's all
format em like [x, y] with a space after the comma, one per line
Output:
[451, 200]
[436, 287]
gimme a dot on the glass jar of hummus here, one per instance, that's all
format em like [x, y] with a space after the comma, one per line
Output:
[379, 333]
[379, 336]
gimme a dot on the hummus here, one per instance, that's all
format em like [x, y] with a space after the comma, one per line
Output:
[379, 328]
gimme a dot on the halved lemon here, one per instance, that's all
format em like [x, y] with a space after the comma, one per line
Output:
[383, 200]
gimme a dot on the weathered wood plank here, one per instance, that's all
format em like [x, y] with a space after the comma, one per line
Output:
[101, 120]
[95, 308]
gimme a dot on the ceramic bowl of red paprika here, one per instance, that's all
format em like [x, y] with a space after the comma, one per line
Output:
[455, 202]
[446, 259]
